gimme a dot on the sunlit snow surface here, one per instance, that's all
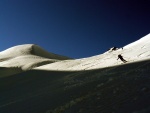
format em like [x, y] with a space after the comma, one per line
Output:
[29, 56]
[136, 51]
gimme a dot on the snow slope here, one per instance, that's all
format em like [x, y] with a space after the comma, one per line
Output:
[117, 89]
[29, 56]
[28, 49]
[136, 51]
[26, 57]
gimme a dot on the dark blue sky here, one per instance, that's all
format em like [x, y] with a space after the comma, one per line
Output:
[74, 28]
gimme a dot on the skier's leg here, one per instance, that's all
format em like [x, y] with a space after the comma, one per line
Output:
[124, 61]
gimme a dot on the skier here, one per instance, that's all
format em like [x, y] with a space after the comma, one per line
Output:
[121, 58]
[114, 48]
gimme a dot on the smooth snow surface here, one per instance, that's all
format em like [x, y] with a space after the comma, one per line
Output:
[136, 51]
[26, 57]
[29, 56]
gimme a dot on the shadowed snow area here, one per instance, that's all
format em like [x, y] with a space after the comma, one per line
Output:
[136, 51]
[29, 56]
[117, 89]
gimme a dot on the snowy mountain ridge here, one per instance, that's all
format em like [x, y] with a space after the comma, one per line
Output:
[25, 57]
[133, 52]
[29, 49]
[30, 56]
